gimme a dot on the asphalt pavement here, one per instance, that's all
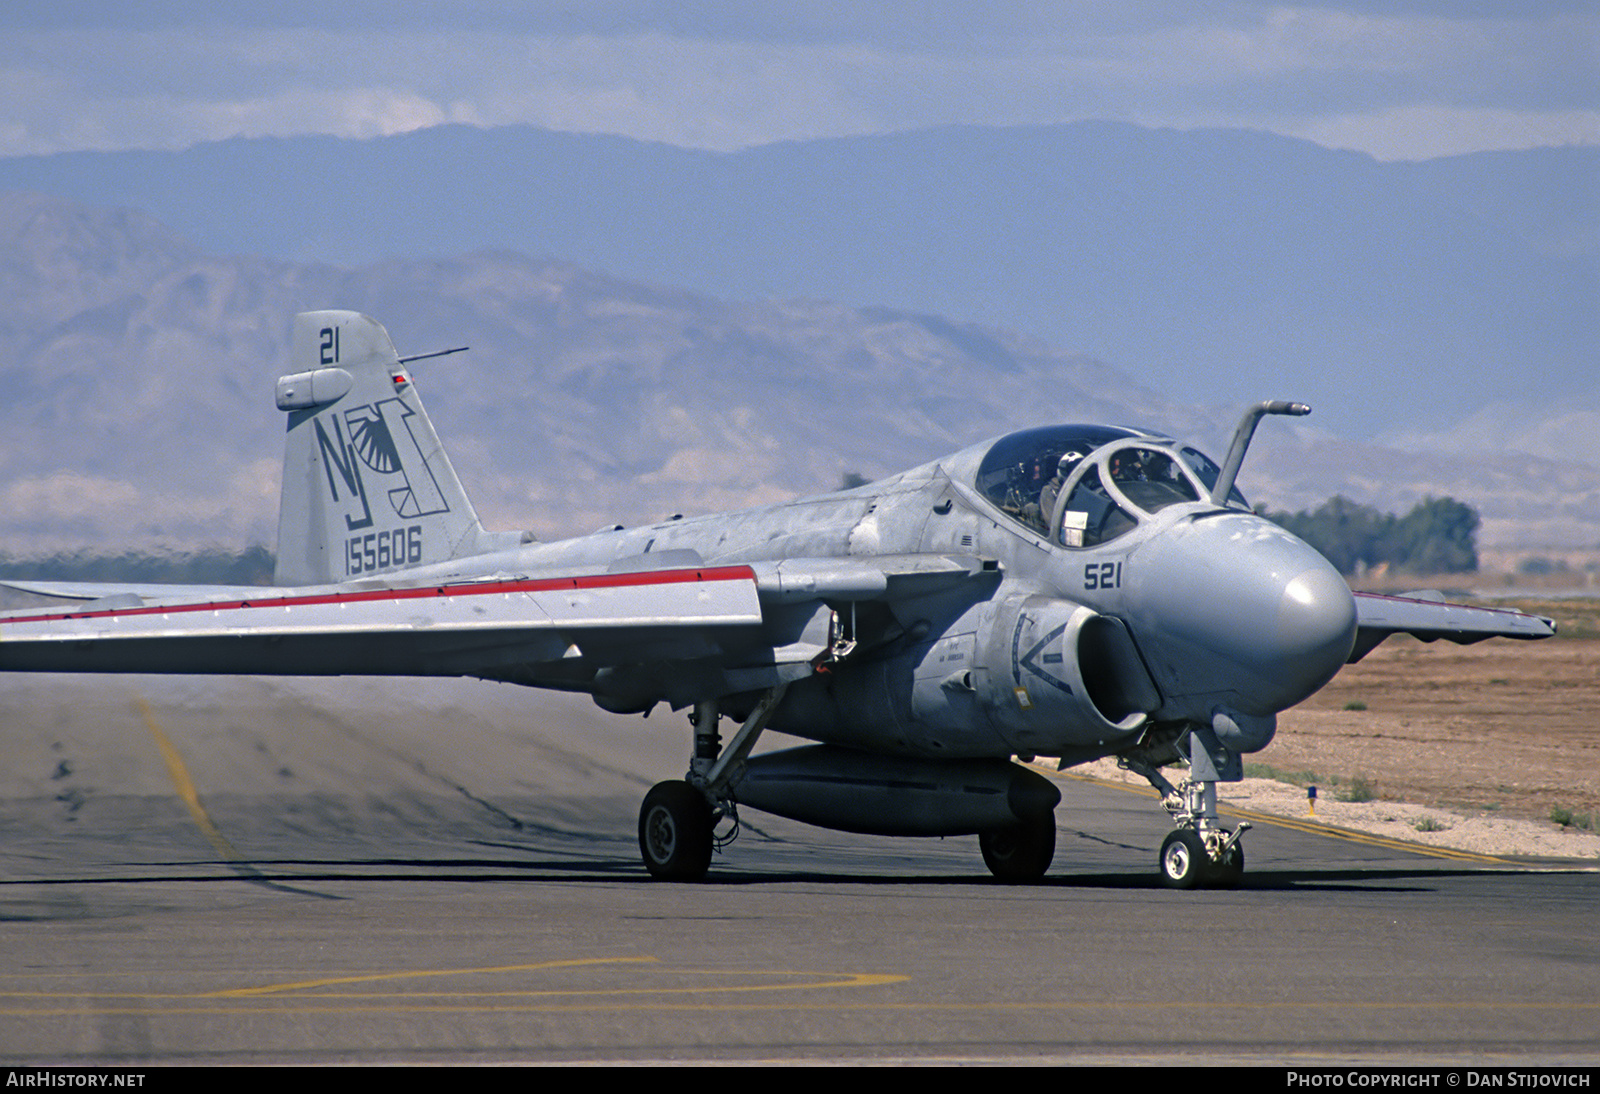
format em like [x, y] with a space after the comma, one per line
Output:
[237, 871]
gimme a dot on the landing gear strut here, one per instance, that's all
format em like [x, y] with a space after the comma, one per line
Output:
[1200, 852]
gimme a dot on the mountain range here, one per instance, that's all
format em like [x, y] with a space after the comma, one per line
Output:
[1216, 266]
[140, 368]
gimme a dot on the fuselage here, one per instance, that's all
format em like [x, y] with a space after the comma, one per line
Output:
[1186, 610]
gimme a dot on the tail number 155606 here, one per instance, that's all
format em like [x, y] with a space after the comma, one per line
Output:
[383, 550]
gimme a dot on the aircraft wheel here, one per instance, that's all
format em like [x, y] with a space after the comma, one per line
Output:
[1184, 862]
[1022, 852]
[675, 832]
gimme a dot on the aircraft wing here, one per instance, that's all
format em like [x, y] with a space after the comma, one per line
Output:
[1427, 616]
[527, 629]
[462, 628]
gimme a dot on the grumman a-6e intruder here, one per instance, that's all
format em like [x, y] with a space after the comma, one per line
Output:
[1067, 592]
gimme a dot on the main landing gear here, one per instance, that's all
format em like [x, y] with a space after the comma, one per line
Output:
[678, 820]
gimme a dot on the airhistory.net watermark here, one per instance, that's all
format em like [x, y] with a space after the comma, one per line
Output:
[47, 1078]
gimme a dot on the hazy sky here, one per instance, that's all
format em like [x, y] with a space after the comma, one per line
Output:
[1406, 79]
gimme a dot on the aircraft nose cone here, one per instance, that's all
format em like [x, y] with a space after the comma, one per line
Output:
[1316, 627]
[1234, 610]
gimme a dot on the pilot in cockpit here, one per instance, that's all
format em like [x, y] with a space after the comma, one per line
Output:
[1052, 489]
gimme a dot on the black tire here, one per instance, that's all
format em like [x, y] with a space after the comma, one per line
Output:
[675, 832]
[1022, 852]
[1184, 862]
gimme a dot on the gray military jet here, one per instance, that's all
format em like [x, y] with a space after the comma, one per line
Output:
[1068, 592]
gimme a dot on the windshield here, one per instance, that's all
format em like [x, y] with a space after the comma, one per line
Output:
[1150, 478]
[1119, 486]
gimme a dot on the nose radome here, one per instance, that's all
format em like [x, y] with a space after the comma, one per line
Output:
[1316, 629]
[1234, 609]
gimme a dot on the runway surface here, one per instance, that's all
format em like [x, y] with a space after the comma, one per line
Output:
[400, 871]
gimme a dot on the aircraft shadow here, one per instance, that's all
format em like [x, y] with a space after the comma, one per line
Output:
[292, 875]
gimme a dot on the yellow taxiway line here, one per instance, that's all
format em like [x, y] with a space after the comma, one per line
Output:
[184, 785]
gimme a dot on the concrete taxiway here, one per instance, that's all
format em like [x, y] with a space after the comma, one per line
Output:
[358, 871]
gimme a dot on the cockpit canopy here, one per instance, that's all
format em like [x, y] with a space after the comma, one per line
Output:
[1083, 485]
[1018, 469]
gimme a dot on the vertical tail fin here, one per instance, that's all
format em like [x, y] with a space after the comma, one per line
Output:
[367, 488]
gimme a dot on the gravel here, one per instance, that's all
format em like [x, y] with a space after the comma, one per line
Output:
[1483, 833]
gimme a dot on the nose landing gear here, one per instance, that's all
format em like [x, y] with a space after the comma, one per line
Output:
[1200, 852]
